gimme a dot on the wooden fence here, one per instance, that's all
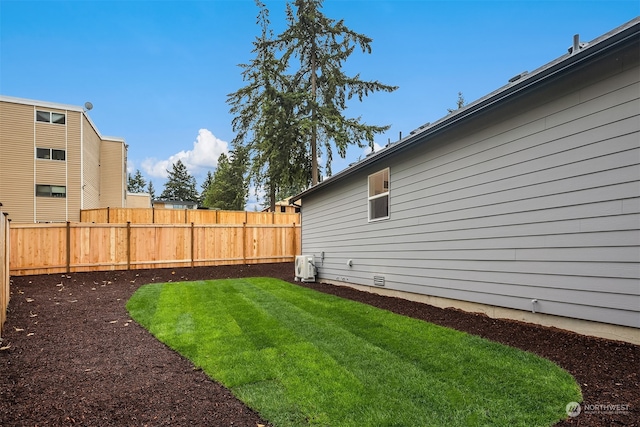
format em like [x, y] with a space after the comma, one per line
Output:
[184, 216]
[72, 247]
[4, 268]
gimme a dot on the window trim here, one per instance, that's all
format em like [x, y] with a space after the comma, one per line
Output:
[378, 196]
[40, 113]
[51, 150]
[40, 193]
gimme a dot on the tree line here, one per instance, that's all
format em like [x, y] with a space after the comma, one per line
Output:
[225, 189]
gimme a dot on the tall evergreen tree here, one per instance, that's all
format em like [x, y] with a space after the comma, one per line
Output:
[180, 184]
[136, 183]
[151, 190]
[322, 45]
[266, 117]
[205, 187]
[228, 189]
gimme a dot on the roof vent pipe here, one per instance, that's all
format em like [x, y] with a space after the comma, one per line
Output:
[576, 44]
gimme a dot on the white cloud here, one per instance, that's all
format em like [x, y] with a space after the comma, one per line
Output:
[204, 155]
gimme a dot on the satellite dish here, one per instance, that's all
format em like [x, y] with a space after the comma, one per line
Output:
[88, 105]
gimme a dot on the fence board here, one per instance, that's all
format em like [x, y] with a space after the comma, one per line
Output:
[94, 215]
[98, 247]
[184, 216]
[38, 248]
[169, 216]
[218, 245]
[74, 247]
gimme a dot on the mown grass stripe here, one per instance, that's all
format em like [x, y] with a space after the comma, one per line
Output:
[300, 357]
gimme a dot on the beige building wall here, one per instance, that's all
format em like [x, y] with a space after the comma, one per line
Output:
[113, 173]
[51, 172]
[90, 165]
[92, 173]
[17, 163]
[74, 164]
[138, 200]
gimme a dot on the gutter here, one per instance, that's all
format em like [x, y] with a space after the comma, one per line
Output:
[579, 54]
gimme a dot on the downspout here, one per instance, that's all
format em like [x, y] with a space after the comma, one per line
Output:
[124, 176]
[35, 206]
[66, 165]
[81, 160]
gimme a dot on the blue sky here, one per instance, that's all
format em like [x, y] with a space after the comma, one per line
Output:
[158, 72]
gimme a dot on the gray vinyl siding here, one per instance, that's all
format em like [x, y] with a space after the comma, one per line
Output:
[541, 201]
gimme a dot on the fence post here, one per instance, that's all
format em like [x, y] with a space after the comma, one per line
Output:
[153, 215]
[293, 232]
[244, 242]
[5, 282]
[68, 247]
[128, 245]
[192, 245]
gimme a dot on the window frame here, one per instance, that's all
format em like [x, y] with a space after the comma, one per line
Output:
[51, 154]
[50, 117]
[46, 190]
[384, 194]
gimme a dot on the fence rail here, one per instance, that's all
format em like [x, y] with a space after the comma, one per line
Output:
[184, 216]
[74, 247]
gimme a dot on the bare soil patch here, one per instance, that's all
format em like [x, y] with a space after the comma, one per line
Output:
[72, 356]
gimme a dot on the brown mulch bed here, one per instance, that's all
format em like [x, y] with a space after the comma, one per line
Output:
[72, 356]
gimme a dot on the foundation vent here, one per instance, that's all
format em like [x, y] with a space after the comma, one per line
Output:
[378, 280]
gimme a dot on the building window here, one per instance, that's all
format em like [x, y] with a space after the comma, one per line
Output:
[51, 190]
[283, 209]
[50, 117]
[379, 195]
[50, 154]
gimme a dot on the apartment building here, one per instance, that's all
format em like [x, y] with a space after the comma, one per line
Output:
[54, 162]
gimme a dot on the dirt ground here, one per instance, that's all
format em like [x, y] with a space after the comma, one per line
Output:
[70, 355]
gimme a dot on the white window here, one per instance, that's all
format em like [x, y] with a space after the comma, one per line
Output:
[51, 190]
[379, 195]
[50, 117]
[50, 154]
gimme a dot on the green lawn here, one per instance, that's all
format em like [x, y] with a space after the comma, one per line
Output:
[301, 357]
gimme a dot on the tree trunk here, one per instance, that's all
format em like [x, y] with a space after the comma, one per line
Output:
[314, 149]
[272, 197]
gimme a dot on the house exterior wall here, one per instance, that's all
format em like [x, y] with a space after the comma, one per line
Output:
[537, 199]
[21, 170]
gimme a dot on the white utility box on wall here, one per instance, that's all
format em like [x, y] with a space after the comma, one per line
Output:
[305, 268]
